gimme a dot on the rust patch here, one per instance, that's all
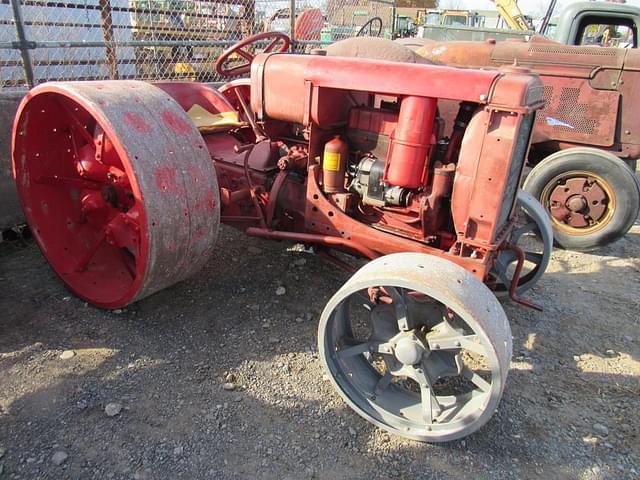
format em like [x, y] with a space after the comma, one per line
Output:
[211, 200]
[175, 123]
[166, 180]
[137, 122]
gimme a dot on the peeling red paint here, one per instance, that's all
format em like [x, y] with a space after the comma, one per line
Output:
[175, 123]
[137, 122]
[166, 180]
[211, 200]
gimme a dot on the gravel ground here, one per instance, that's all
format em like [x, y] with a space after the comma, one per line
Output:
[219, 377]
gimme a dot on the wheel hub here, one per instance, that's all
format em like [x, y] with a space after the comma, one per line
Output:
[409, 350]
[578, 202]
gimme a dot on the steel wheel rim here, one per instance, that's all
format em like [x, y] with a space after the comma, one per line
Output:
[566, 185]
[74, 262]
[107, 142]
[537, 223]
[355, 378]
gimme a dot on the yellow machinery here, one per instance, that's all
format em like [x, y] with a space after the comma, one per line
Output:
[511, 13]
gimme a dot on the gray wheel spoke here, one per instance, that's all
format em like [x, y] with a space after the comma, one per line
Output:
[476, 379]
[520, 231]
[533, 257]
[462, 409]
[360, 348]
[456, 342]
[353, 350]
[400, 308]
[428, 399]
[383, 383]
[502, 275]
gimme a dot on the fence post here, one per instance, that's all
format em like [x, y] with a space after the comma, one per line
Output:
[292, 21]
[23, 44]
[107, 34]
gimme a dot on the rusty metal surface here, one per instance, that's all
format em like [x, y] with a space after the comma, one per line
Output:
[280, 81]
[375, 48]
[590, 94]
[575, 112]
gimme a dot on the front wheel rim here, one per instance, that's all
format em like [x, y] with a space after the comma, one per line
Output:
[438, 378]
[579, 202]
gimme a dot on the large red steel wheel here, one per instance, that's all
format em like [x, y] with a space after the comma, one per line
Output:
[117, 186]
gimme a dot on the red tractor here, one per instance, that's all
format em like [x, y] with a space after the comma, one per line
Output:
[125, 183]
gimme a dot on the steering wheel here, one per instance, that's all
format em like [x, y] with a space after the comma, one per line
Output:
[373, 25]
[240, 50]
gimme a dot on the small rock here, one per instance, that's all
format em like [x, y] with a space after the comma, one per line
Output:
[600, 429]
[178, 451]
[576, 358]
[274, 340]
[254, 250]
[238, 399]
[2, 452]
[229, 386]
[281, 291]
[112, 409]
[118, 311]
[352, 431]
[59, 458]
[299, 319]
[230, 378]
[300, 262]
[611, 353]
[67, 354]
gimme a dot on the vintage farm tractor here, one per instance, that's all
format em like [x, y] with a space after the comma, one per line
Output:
[124, 185]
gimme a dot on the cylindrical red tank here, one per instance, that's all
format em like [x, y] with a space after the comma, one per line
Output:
[410, 143]
[334, 164]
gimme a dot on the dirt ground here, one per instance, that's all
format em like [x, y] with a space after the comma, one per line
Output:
[570, 408]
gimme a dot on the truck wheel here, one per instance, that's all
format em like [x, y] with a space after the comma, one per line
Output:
[592, 196]
[418, 346]
[117, 186]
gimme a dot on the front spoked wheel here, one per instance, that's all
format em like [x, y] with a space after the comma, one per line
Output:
[418, 346]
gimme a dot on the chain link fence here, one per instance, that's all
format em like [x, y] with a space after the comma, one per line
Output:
[42, 40]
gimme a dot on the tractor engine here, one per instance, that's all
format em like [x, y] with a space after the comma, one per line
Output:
[378, 154]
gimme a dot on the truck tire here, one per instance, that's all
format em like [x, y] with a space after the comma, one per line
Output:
[592, 196]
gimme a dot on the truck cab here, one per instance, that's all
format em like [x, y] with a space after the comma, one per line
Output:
[599, 24]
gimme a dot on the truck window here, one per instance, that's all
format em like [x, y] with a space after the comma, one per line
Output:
[605, 31]
[455, 20]
[433, 18]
